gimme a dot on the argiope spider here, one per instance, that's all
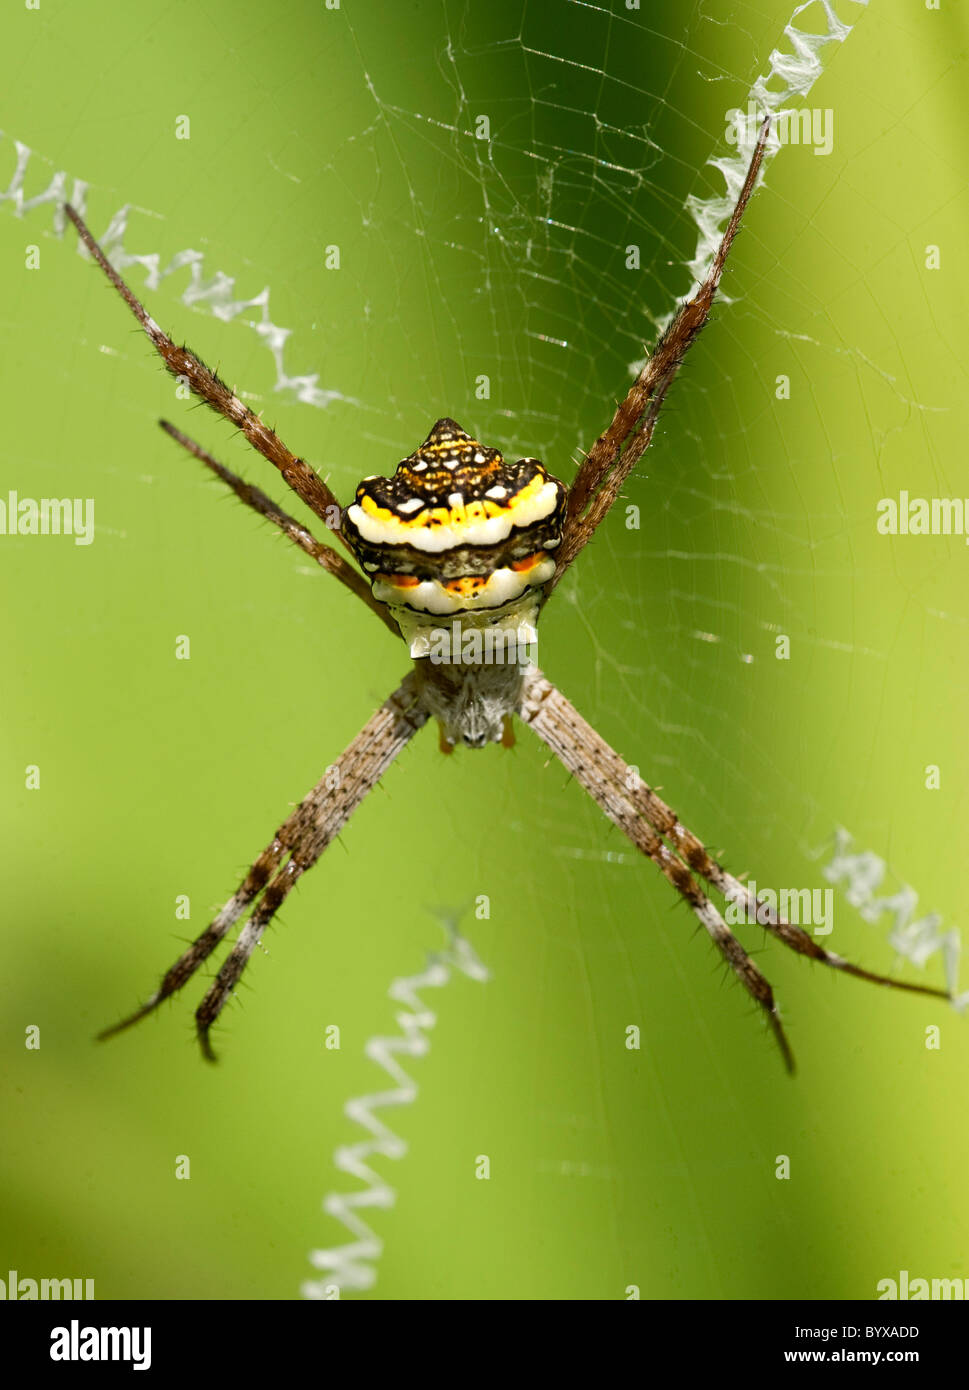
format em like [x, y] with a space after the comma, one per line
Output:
[460, 541]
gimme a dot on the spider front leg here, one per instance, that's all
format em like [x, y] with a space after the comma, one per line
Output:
[622, 444]
[294, 849]
[324, 555]
[205, 384]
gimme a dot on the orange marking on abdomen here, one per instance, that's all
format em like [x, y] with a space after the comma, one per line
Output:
[528, 562]
[399, 581]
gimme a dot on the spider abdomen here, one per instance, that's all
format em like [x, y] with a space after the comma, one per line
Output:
[457, 531]
[458, 544]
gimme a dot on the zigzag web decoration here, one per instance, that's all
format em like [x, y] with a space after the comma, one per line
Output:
[350, 1266]
[793, 74]
[214, 292]
[861, 874]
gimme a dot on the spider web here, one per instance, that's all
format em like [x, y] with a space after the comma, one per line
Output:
[534, 197]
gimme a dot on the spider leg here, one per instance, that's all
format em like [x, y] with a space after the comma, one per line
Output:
[605, 777]
[797, 939]
[643, 816]
[619, 448]
[692, 851]
[254, 497]
[181, 362]
[300, 841]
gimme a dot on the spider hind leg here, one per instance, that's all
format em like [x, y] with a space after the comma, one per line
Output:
[603, 774]
[733, 952]
[796, 939]
[296, 846]
[203, 946]
[693, 853]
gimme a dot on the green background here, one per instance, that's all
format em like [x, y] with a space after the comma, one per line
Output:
[460, 257]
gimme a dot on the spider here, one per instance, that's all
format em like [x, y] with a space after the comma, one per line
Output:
[461, 550]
